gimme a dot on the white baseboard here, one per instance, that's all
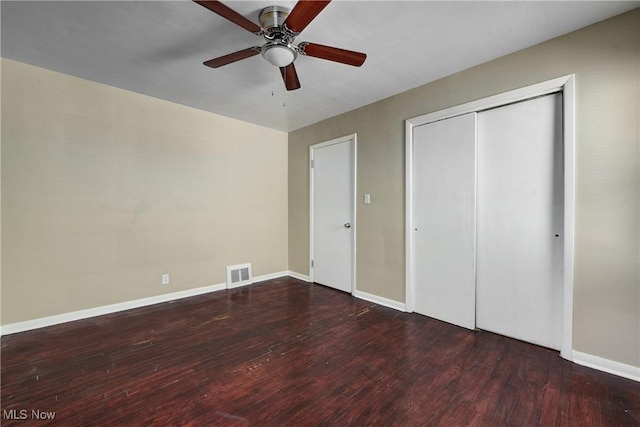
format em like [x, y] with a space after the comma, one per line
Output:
[270, 276]
[42, 322]
[606, 365]
[379, 300]
[299, 276]
[263, 278]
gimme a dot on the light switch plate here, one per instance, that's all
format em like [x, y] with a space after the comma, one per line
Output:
[367, 199]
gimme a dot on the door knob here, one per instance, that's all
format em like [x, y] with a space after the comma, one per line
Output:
[347, 225]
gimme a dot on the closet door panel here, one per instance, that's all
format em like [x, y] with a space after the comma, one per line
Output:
[519, 221]
[444, 219]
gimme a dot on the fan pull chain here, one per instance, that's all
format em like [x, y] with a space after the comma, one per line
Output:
[277, 83]
[284, 95]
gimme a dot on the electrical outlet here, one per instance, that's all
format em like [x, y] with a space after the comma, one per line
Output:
[165, 279]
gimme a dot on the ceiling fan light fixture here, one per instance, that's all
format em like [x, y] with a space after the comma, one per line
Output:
[279, 54]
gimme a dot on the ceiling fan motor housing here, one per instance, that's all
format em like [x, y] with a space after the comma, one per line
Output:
[279, 50]
[272, 19]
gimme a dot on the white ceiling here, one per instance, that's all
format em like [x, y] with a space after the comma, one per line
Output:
[157, 48]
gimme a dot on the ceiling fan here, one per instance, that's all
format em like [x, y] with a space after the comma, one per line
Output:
[280, 26]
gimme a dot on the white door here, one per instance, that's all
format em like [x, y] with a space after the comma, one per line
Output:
[443, 219]
[332, 192]
[520, 220]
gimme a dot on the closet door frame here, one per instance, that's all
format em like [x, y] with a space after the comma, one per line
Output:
[564, 84]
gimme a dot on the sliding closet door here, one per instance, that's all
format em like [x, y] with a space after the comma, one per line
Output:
[443, 219]
[520, 220]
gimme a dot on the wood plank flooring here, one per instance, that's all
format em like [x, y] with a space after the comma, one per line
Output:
[284, 352]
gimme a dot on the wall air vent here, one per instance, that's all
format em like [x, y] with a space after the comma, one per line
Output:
[238, 275]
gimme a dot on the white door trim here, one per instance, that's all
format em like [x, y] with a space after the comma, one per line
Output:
[566, 84]
[354, 146]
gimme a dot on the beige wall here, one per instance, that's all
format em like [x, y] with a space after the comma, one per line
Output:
[103, 190]
[606, 61]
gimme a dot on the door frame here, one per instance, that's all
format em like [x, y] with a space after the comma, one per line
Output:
[354, 150]
[564, 84]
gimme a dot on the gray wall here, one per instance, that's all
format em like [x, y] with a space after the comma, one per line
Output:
[605, 58]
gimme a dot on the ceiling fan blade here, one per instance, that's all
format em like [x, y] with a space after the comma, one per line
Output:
[232, 57]
[231, 15]
[303, 13]
[335, 54]
[290, 77]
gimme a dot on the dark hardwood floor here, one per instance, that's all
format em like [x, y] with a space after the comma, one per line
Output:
[285, 352]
